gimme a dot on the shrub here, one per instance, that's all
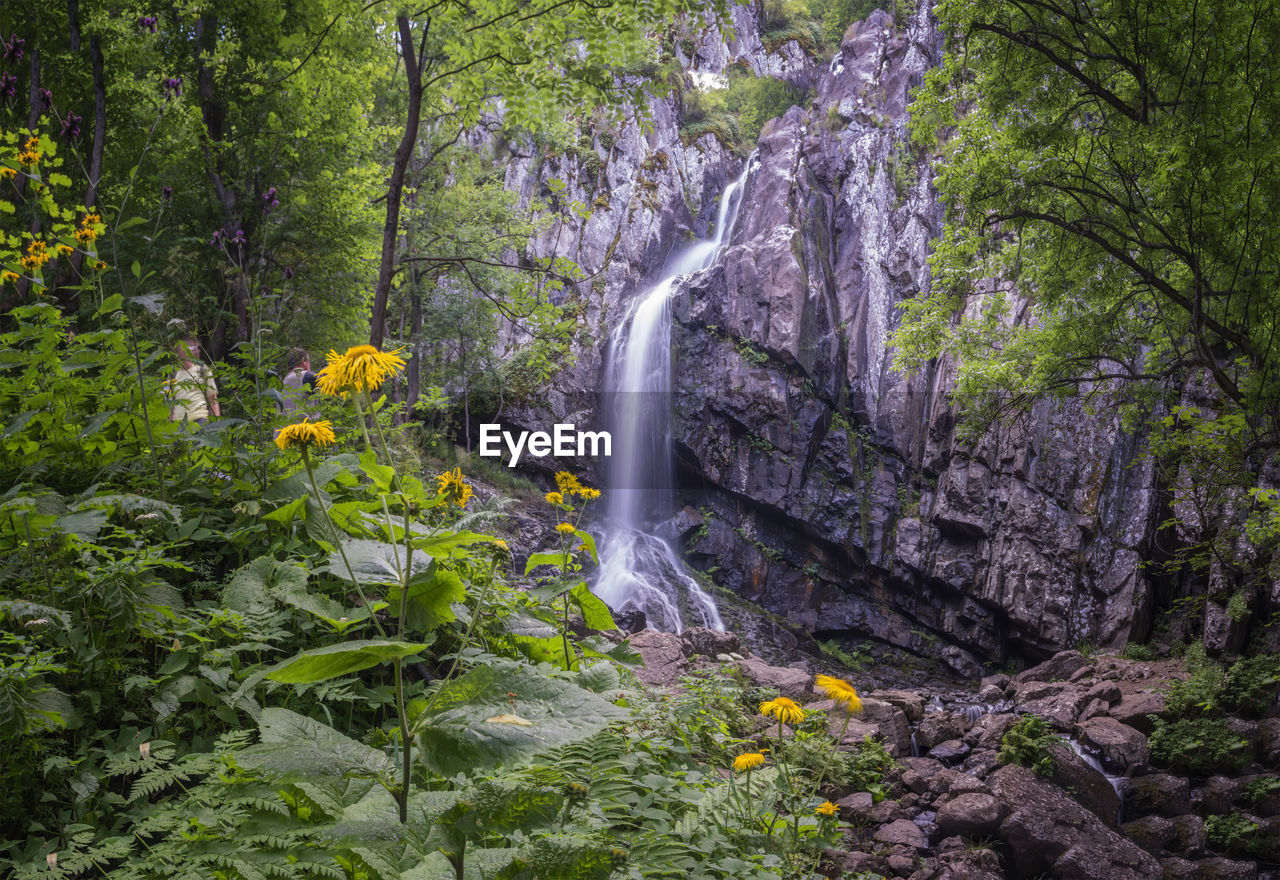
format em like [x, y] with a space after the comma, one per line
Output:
[1027, 744]
[1138, 651]
[1198, 745]
[1250, 684]
[1232, 833]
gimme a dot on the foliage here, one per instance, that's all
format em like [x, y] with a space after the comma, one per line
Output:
[1234, 833]
[1198, 745]
[736, 113]
[1027, 744]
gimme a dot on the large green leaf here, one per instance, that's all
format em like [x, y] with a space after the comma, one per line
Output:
[261, 581]
[297, 484]
[431, 597]
[330, 611]
[505, 713]
[595, 614]
[322, 664]
[293, 743]
[445, 545]
[375, 562]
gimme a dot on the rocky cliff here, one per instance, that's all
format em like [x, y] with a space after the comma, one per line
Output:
[819, 482]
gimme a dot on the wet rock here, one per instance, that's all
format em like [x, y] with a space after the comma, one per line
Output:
[953, 751]
[1118, 745]
[988, 730]
[902, 832]
[708, 642]
[926, 767]
[1157, 795]
[1089, 787]
[981, 762]
[913, 781]
[970, 815]
[999, 681]
[966, 783]
[1048, 832]
[1219, 795]
[1188, 835]
[938, 727]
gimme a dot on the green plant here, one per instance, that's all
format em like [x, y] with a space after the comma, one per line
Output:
[1232, 833]
[1138, 651]
[1027, 744]
[1258, 790]
[1198, 745]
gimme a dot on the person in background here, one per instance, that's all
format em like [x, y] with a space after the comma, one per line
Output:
[299, 382]
[194, 393]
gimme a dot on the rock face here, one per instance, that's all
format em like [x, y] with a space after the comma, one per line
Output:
[834, 489]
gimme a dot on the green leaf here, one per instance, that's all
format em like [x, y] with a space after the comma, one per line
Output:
[595, 613]
[287, 513]
[263, 580]
[598, 646]
[446, 545]
[111, 304]
[535, 559]
[322, 664]
[471, 728]
[331, 612]
[374, 562]
[431, 597]
[132, 221]
[293, 743]
[600, 677]
[588, 542]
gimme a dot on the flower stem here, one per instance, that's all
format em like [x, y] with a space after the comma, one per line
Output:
[337, 540]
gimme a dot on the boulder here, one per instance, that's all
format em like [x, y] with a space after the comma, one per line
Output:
[953, 751]
[1157, 795]
[970, 815]
[938, 727]
[902, 832]
[1224, 869]
[708, 642]
[1118, 745]
[786, 680]
[857, 807]
[910, 702]
[1089, 787]
[1047, 832]
[1061, 708]
[1219, 794]
[1152, 833]
[1188, 835]
[962, 864]
[1136, 704]
[664, 659]
[1106, 691]
[988, 730]
[1060, 667]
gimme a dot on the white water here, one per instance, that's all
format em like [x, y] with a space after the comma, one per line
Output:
[638, 569]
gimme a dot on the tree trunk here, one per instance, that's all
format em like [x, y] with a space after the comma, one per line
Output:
[395, 185]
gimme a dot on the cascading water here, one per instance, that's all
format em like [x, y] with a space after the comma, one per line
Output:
[638, 569]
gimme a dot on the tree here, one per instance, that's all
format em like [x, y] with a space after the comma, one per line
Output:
[1117, 162]
[535, 63]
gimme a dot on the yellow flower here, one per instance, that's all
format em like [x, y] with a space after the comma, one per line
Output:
[589, 494]
[28, 158]
[749, 761]
[783, 709]
[63, 250]
[37, 255]
[455, 489]
[567, 482]
[88, 231]
[10, 276]
[362, 368]
[8, 172]
[567, 528]
[555, 498]
[503, 544]
[305, 433]
[826, 808]
[32, 144]
[841, 691]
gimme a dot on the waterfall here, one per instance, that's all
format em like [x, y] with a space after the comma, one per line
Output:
[639, 569]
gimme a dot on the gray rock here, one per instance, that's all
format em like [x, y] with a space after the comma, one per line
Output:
[1089, 787]
[962, 864]
[708, 642]
[938, 727]
[1152, 833]
[1047, 832]
[1158, 794]
[1118, 745]
[1059, 667]
[970, 815]
[953, 751]
[902, 832]
[857, 807]
[664, 659]
[789, 682]
[1224, 869]
[1220, 794]
[1136, 705]
[1188, 835]
[910, 702]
